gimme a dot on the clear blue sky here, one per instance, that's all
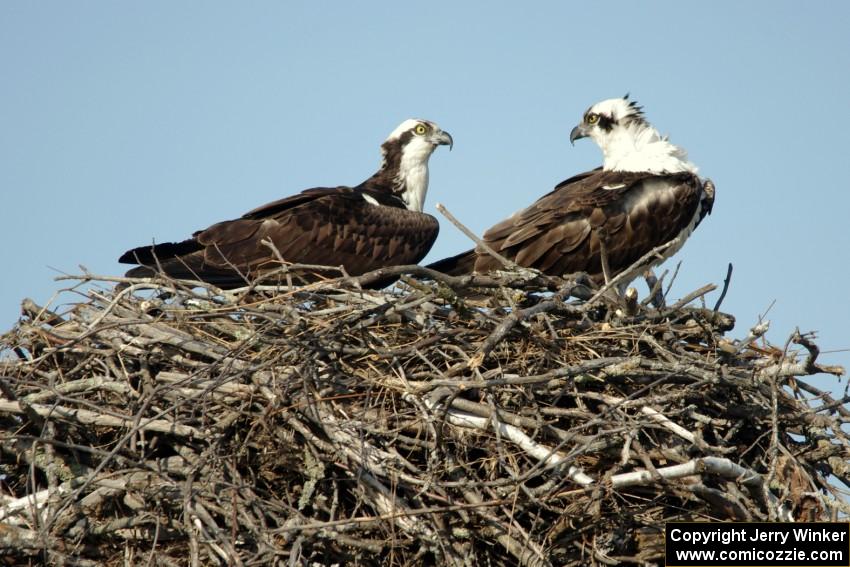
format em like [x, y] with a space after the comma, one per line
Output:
[126, 122]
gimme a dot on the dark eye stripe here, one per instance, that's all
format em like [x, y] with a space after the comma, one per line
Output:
[606, 122]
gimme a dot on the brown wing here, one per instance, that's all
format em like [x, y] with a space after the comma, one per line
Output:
[281, 205]
[323, 226]
[333, 229]
[560, 232]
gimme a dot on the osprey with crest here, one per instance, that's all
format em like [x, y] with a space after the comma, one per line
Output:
[646, 194]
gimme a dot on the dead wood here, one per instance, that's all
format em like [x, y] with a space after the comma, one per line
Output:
[332, 424]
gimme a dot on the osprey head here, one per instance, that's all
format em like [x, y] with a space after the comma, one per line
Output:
[628, 142]
[601, 120]
[406, 152]
[416, 133]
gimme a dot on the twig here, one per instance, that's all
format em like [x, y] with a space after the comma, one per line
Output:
[511, 265]
[87, 417]
[627, 273]
[331, 422]
[516, 317]
[726, 281]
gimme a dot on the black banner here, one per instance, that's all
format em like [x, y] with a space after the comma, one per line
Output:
[757, 544]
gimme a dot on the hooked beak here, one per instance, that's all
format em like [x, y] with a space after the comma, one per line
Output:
[443, 139]
[577, 133]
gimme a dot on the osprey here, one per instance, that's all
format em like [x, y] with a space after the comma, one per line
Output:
[376, 224]
[645, 194]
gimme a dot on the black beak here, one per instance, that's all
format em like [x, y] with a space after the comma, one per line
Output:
[577, 133]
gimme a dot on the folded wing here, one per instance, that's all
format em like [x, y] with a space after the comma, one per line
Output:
[560, 233]
[323, 226]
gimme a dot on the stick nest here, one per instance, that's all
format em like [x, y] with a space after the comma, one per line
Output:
[466, 421]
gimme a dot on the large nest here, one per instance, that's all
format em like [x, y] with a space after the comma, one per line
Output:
[465, 421]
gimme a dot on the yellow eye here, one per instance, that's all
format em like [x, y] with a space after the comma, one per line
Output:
[420, 129]
[592, 118]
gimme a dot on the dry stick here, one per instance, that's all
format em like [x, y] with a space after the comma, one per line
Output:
[369, 462]
[485, 411]
[756, 331]
[528, 509]
[542, 453]
[773, 450]
[30, 543]
[38, 499]
[136, 425]
[472, 280]
[312, 526]
[655, 285]
[806, 368]
[831, 406]
[725, 287]
[813, 353]
[721, 501]
[673, 278]
[830, 403]
[215, 539]
[478, 242]
[10, 395]
[719, 466]
[549, 457]
[115, 301]
[630, 302]
[35, 311]
[527, 552]
[708, 288]
[88, 417]
[227, 261]
[599, 419]
[625, 273]
[459, 282]
[194, 544]
[267, 242]
[89, 384]
[655, 416]
[516, 317]
[155, 282]
[389, 308]
[610, 365]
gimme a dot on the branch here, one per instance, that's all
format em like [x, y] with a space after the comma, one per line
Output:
[511, 265]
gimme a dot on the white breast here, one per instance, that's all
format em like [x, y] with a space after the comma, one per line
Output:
[413, 172]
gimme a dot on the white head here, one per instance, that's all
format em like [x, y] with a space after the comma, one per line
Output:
[405, 158]
[628, 142]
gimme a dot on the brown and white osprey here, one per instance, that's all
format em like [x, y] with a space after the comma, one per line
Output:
[645, 194]
[376, 224]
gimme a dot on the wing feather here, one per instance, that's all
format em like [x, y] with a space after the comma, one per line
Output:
[560, 232]
[324, 226]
